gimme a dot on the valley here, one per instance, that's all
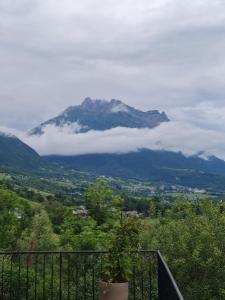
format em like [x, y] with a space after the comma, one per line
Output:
[77, 202]
[140, 172]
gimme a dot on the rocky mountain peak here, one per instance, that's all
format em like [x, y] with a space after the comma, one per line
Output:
[98, 114]
[93, 104]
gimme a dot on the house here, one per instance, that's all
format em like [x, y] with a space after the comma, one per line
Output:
[81, 212]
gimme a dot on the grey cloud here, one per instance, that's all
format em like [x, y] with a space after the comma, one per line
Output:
[163, 54]
[205, 115]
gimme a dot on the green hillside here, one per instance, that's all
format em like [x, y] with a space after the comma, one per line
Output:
[17, 155]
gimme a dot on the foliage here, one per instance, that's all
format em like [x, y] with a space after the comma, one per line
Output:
[39, 236]
[191, 237]
[8, 221]
[101, 202]
[15, 215]
[82, 234]
[124, 244]
[57, 214]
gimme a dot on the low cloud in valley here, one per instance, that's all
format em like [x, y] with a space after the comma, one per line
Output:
[173, 136]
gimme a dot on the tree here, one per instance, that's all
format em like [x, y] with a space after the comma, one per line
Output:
[82, 234]
[9, 219]
[56, 212]
[40, 235]
[192, 239]
[124, 246]
[100, 201]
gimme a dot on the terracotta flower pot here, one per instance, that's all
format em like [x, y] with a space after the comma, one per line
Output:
[113, 291]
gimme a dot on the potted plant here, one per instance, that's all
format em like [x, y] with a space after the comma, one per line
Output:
[123, 249]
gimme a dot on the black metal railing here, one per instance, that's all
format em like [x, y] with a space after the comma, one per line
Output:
[76, 275]
[167, 287]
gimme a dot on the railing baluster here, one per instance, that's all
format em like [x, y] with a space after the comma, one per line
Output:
[134, 283]
[11, 270]
[93, 278]
[68, 276]
[43, 279]
[35, 277]
[52, 277]
[60, 276]
[76, 279]
[2, 286]
[19, 276]
[142, 278]
[27, 279]
[101, 265]
[150, 276]
[85, 278]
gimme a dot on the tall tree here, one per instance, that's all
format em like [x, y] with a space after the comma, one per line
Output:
[101, 202]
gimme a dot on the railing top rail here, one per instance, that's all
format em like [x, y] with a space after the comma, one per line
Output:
[67, 252]
[170, 276]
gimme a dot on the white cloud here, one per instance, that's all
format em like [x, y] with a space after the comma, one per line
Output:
[68, 128]
[119, 108]
[192, 130]
[173, 136]
[11, 132]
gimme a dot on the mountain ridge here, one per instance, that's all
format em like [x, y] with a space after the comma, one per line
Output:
[148, 165]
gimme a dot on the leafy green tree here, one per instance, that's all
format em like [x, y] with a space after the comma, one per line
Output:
[40, 235]
[125, 240]
[101, 202]
[191, 237]
[78, 233]
[10, 216]
[56, 212]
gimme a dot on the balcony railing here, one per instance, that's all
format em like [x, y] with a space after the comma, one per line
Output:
[76, 275]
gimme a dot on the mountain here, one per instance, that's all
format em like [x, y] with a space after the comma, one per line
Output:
[17, 155]
[145, 165]
[153, 166]
[103, 115]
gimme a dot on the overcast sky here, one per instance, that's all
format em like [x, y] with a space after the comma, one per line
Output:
[166, 54]
[158, 54]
